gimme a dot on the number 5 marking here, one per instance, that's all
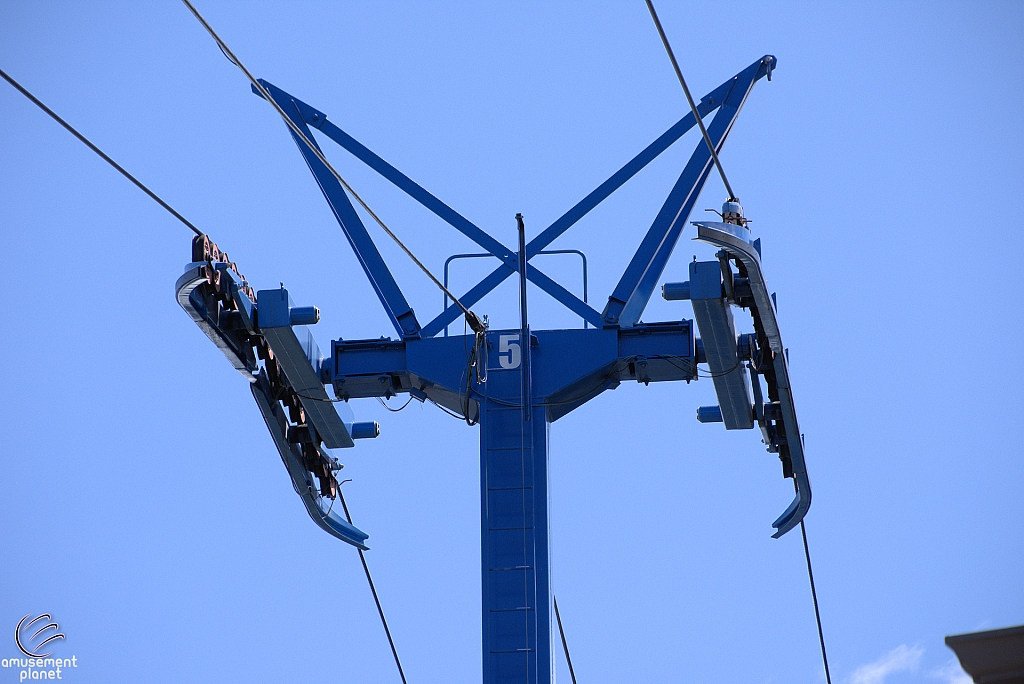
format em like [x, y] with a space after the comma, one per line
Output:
[509, 344]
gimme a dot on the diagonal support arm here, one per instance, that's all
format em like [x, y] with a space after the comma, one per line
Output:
[630, 297]
[708, 104]
[416, 191]
[383, 283]
[634, 290]
[510, 262]
[314, 117]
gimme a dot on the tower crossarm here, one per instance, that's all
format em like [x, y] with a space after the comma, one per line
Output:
[570, 367]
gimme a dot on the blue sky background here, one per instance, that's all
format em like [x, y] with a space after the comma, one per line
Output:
[143, 505]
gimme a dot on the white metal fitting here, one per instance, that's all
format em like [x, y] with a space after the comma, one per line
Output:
[732, 212]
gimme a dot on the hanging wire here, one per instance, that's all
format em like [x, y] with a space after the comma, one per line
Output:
[447, 410]
[565, 646]
[328, 400]
[394, 410]
[474, 321]
[100, 152]
[814, 595]
[373, 590]
[689, 98]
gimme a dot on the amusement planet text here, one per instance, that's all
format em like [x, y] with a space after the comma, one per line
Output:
[40, 668]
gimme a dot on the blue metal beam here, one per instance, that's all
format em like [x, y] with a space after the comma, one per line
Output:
[390, 295]
[664, 232]
[300, 359]
[515, 548]
[318, 119]
[630, 297]
[563, 296]
[417, 192]
[713, 313]
[468, 300]
[708, 104]
[481, 289]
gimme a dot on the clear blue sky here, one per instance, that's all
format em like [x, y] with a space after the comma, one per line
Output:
[142, 503]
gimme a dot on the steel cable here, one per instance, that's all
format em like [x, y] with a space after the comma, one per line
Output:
[373, 590]
[474, 321]
[689, 98]
[565, 645]
[100, 152]
[814, 596]
[394, 410]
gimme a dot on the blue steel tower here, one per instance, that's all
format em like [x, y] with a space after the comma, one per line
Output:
[513, 383]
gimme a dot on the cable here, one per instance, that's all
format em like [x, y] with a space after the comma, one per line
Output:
[447, 410]
[472, 318]
[394, 410]
[328, 400]
[565, 646]
[689, 98]
[100, 152]
[373, 590]
[814, 595]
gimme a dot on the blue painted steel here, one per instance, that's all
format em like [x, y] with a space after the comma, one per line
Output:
[629, 299]
[413, 189]
[206, 311]
[569, 367]
[390, 295]
[708, 104]
[442, 210]
[515, 549]
[559, 293]
[304, 315]
[524, 325]
[582, 256]
[468, 299]
[365, 430]
[302, 480]
[718, 334]
[676, 291]
[244, 307]
[705, 280]
[300, 359]
[221, 303]
[709, 414]
[778, 421]
[563, 296]
[534, 378]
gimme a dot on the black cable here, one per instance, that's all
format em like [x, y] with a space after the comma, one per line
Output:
[100, 152]
[451, 413]
[565, 646]
[395, 410]
[689, 98]
[373, 590]
[472, 318]
[328, 400]
[814, 595]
